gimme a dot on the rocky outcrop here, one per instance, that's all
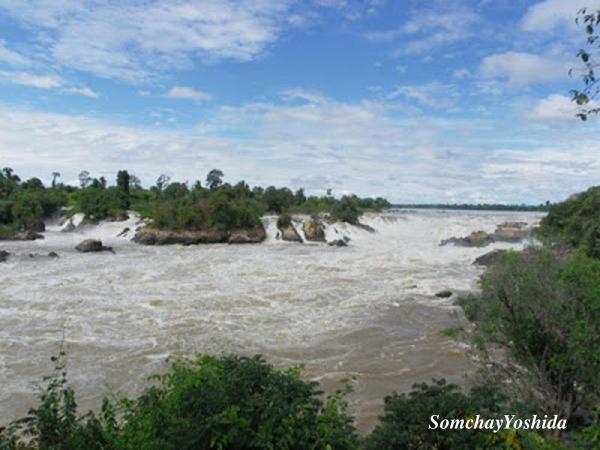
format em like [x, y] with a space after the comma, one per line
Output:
[314, 230]
[73, 222]
[289, 233]
[154, 236]
[4, 255]
[490, 258]
[512, 232]
[92, 245]
[475, 239]
[36, 226]
[247, 236]
[365, 227]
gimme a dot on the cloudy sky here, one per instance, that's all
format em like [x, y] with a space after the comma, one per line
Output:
[437, 101]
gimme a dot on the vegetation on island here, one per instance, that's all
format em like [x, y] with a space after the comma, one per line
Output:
[169, 205]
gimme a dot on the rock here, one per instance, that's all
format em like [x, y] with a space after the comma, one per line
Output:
[511, 232]
[475, 239]
[314, 230]
[53, 255]
[289, 233]
[153, 236]
[338, 243]
[72, 223]
[365, 227]
[490, 258]
[27, 235]
[4, 255]
[124, 232]
[92, 245]
[248, 236]
[37, 226]
[444, 294]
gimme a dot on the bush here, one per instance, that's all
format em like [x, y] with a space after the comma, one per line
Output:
[544, 313]
[346, 210]
[284, 220]
[211, 403]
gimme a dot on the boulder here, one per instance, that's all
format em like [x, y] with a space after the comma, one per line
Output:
[52, 255]
[289, 233]
[314, 230]
[444, 294]
[4, 255]
[123, 232]
[247, 236]
[27, 235]
[37, 226]
[92, 245]
[153, 236]
[338, 243]
[475, 239]
[490, 258]
[511, 232]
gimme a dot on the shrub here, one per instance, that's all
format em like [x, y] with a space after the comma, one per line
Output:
[284, 220]
[346, 210]
[544, 313]
[225, 402]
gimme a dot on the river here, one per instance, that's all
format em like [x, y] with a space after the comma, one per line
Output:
[366, 312]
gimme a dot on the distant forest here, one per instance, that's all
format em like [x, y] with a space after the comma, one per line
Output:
[477, 207]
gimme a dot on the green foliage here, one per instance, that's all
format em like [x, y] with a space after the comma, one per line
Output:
[544, 312]
[407, 418]
[284, 220]
[123, 180]
[211, 403]
[24, 205]
[99, 203]
[346, 210]
[575, 221]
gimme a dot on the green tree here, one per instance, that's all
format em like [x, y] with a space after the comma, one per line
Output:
[214, 179]
[123, 180]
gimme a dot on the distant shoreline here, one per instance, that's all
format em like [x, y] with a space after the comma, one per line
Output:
[471, 207]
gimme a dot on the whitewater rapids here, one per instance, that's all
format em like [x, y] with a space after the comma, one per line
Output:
[366, 312]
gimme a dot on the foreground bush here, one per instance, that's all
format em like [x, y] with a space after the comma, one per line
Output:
[210, 403]
[538, 331]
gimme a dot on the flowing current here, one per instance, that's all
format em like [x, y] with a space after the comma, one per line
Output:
[366, 312]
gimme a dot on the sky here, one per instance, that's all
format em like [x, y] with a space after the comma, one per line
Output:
[417, 101]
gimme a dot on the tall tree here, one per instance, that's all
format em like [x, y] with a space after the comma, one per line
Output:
[162, 181]
[84, 179]
[123, 179]
[55, 175]
[214, 179]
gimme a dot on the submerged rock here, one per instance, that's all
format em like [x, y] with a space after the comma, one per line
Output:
[92, 245]
[53, 255]
[338, 243]
[444, 294]
[4, 255]
[123, 232]
[314, 230]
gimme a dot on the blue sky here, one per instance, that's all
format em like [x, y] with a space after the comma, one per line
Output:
[437, 101]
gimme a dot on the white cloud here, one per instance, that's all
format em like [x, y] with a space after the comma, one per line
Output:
[522, 69]
[32, 80]
[431, 95]
[429, 29]
[548, 15]
[10, 57]
[554, 108]
[187, 93]
[130, 40]
[85, 91]
[461, 74]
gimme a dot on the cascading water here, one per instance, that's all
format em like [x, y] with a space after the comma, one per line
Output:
[366, 312]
